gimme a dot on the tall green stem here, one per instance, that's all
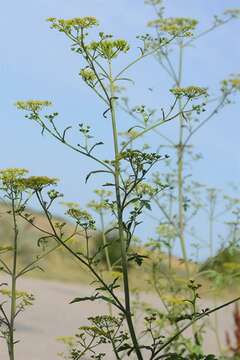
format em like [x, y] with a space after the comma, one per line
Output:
[108, 261]
[180, 161]
[120, 221]
[11, 341]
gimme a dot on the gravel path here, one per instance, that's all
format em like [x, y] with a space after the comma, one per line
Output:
[52, 316]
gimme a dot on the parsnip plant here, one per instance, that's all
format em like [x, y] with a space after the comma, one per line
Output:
[126, 175]
[181, 204]
[16, 193]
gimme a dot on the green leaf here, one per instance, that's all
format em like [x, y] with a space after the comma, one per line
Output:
[95, 172]
[85, 298]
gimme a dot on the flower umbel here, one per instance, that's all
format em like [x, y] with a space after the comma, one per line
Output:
[37, 183]
[11, 178]
[146, 189]
[234, 13]
[74, 23]
[102, 204]
[109, 49]
[231, 84]
[88, 75]
[153, 2]
[175, 26]
[190, 91]
[82, 217]
[33, 105]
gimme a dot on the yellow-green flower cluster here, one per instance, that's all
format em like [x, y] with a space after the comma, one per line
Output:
[232, 84]
[103, 193]
[153, 2]
[74, 23]
[37, 183]
[93, 330]
[101, 205]
[82, 217]
[11, 178]
[77, 214]
[98, 206]
[175, 26]
[235, 82]
[26, 298]
[87, 75]
[138, 156]
[70, 204]
[190, 91]
[33, 105]
[109, 49]
[234, 13]
[174, 299]
[11, 174]
[67, 340]
[166, 231]
[146, 189]
[102, 325]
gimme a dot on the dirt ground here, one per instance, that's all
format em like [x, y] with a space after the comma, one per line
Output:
[52, 316]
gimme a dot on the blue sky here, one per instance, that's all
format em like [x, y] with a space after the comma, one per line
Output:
[36, 63]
